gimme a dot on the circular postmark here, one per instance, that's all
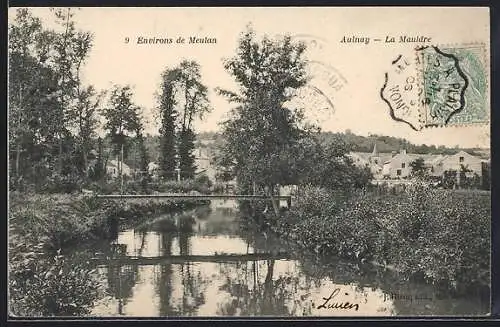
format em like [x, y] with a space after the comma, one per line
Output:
[324, 80]
[402, 89]
[317, 106]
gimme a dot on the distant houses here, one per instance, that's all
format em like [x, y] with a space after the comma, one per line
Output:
[203, 162]
[398, 165]
[455, 162]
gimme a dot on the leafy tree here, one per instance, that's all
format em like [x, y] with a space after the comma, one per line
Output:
[122, 118]
[144, 160]
[485, 174]
[183, 98]
[418, 168]
[85, 112]
[32, 90]
[326, 164]
[45, 103]
[70, 49]
[262, 131]
[195, 105]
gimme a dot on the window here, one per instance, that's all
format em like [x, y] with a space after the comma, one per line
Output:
[403, 165]
[461, 159]
[398, 172]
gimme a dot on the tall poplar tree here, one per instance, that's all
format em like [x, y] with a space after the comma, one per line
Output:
[168, 116]
[195, 104]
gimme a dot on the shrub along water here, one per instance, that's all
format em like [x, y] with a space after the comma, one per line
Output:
[42, 227]
[442, 236]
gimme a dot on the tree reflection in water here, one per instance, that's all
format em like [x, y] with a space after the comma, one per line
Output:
[250, 296]
[121, 278]
[266, 287]
[191, 282]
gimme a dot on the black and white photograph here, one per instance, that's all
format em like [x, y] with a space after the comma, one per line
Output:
[248, 162]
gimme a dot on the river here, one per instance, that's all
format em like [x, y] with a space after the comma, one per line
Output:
[220, 265]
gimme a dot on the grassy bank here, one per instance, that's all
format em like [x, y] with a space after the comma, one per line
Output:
[58, 221]
[441, 236]
[43, 227]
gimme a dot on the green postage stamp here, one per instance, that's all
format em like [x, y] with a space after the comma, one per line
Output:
[439, 86]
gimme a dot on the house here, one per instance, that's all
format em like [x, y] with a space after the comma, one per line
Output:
[398, 166]
[203, 162]
[462, 158]
[113, 169]
[153, 169]
[434, 165]
[374, 161]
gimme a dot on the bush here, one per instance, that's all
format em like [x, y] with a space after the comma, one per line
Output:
[218, 188]
[49, 286]
[42, 283]
[440, 235]
[184, 186]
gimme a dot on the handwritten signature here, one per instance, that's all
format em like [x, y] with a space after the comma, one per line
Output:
[330, 304]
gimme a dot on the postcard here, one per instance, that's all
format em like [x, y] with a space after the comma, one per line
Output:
[249, 161]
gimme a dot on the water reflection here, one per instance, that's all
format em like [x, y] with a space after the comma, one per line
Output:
[248, 287]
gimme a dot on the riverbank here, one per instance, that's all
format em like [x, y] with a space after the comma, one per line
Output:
[61, 220]
[439, 236]
[43, 227]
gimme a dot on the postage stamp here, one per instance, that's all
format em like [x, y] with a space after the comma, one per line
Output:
[439, 86]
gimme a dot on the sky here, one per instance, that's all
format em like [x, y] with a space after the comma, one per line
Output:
[347, 76]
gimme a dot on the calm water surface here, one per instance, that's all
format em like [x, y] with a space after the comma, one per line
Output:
[246, 285]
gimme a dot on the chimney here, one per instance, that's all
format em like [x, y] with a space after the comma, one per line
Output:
[402, 151]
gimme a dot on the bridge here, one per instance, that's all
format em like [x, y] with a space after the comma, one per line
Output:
[174, 197]
[180, 259]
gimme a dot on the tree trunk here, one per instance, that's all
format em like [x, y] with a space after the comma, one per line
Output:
[18, 157]
[275, 207]
[18, 142]
[60, 161]
[121, 171]
[85, 163]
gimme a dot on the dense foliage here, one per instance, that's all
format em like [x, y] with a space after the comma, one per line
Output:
[182, 98]
[52, 115]
[442, 236]
[261, 131]
[43, 229]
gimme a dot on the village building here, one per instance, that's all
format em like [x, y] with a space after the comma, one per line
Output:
[462, 159]
[203, 162]
[153, 170]
[374, 160]
[113, 169]
[396, 166]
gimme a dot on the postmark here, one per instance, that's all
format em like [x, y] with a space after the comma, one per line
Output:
[317, 97]
[438, 86]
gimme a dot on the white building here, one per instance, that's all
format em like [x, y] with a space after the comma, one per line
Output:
[398, 166]
[462, 158]
[113, 169]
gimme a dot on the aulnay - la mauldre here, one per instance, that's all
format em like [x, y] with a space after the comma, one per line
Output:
[388, 39]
